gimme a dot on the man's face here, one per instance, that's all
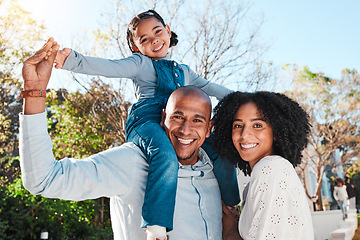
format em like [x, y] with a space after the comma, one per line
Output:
[186, 122]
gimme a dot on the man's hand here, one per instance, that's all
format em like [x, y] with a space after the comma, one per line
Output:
[36, 70]
[61, 57]
[230, 225]
[36, 73]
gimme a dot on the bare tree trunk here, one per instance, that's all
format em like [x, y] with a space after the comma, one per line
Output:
[319, 206]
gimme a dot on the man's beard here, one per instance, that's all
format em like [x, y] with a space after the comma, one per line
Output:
[186, 158]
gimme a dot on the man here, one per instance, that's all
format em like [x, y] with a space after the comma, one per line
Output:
[121, 173]
[350, 189]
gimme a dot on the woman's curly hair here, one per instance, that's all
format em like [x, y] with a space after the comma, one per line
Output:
[289, 123]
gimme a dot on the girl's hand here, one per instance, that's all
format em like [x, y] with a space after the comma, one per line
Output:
[230, 225]
[61, 57]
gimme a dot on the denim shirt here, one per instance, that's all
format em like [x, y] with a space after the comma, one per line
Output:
[140, 69]
[121, 174]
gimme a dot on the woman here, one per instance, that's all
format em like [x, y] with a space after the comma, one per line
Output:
[263, 133]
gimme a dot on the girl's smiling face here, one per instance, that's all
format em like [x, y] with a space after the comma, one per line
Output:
[251, 134]
[152, 38]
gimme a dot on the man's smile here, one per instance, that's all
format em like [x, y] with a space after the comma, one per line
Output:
[185, 141]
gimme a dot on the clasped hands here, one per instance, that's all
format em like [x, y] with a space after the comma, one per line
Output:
[37, 69]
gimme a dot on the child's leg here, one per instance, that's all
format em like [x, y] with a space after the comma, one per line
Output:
[342, 207]
[159, 201]
[345, 207]
[225, 172]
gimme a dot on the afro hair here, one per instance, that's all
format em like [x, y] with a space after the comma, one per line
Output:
[289, 123]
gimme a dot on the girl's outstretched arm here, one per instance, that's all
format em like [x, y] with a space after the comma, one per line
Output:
[110, 68]
[210, 88]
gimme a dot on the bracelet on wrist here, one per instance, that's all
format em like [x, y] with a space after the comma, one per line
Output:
[33, 93]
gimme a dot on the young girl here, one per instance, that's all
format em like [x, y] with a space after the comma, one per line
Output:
[155, 76]
[341, 196]
[263, 133]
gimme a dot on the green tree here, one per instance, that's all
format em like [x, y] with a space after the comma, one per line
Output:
[22, 215]
[333, 109]
[9, 110]
[25, 216]
[19, 34]
[86, 123]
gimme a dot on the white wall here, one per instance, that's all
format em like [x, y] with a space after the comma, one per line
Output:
[326, 222]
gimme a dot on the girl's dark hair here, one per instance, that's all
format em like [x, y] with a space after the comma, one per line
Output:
[339, 180]
[135, 22]
[289, 123]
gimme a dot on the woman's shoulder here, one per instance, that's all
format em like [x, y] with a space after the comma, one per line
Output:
[272, 165]
[274, 161]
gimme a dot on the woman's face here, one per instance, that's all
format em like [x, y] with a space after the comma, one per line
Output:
[251, 134]
[151, 38]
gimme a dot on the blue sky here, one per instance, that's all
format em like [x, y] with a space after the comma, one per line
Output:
[323, 34]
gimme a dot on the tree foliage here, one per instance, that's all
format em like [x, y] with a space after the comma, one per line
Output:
[22, 215]
[9, 109]
[19, 34]
[77, 130]
[333, 109]
[25, 216]
[83, 124]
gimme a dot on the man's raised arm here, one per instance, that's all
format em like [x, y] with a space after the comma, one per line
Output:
[108, 173]
[36, 74]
